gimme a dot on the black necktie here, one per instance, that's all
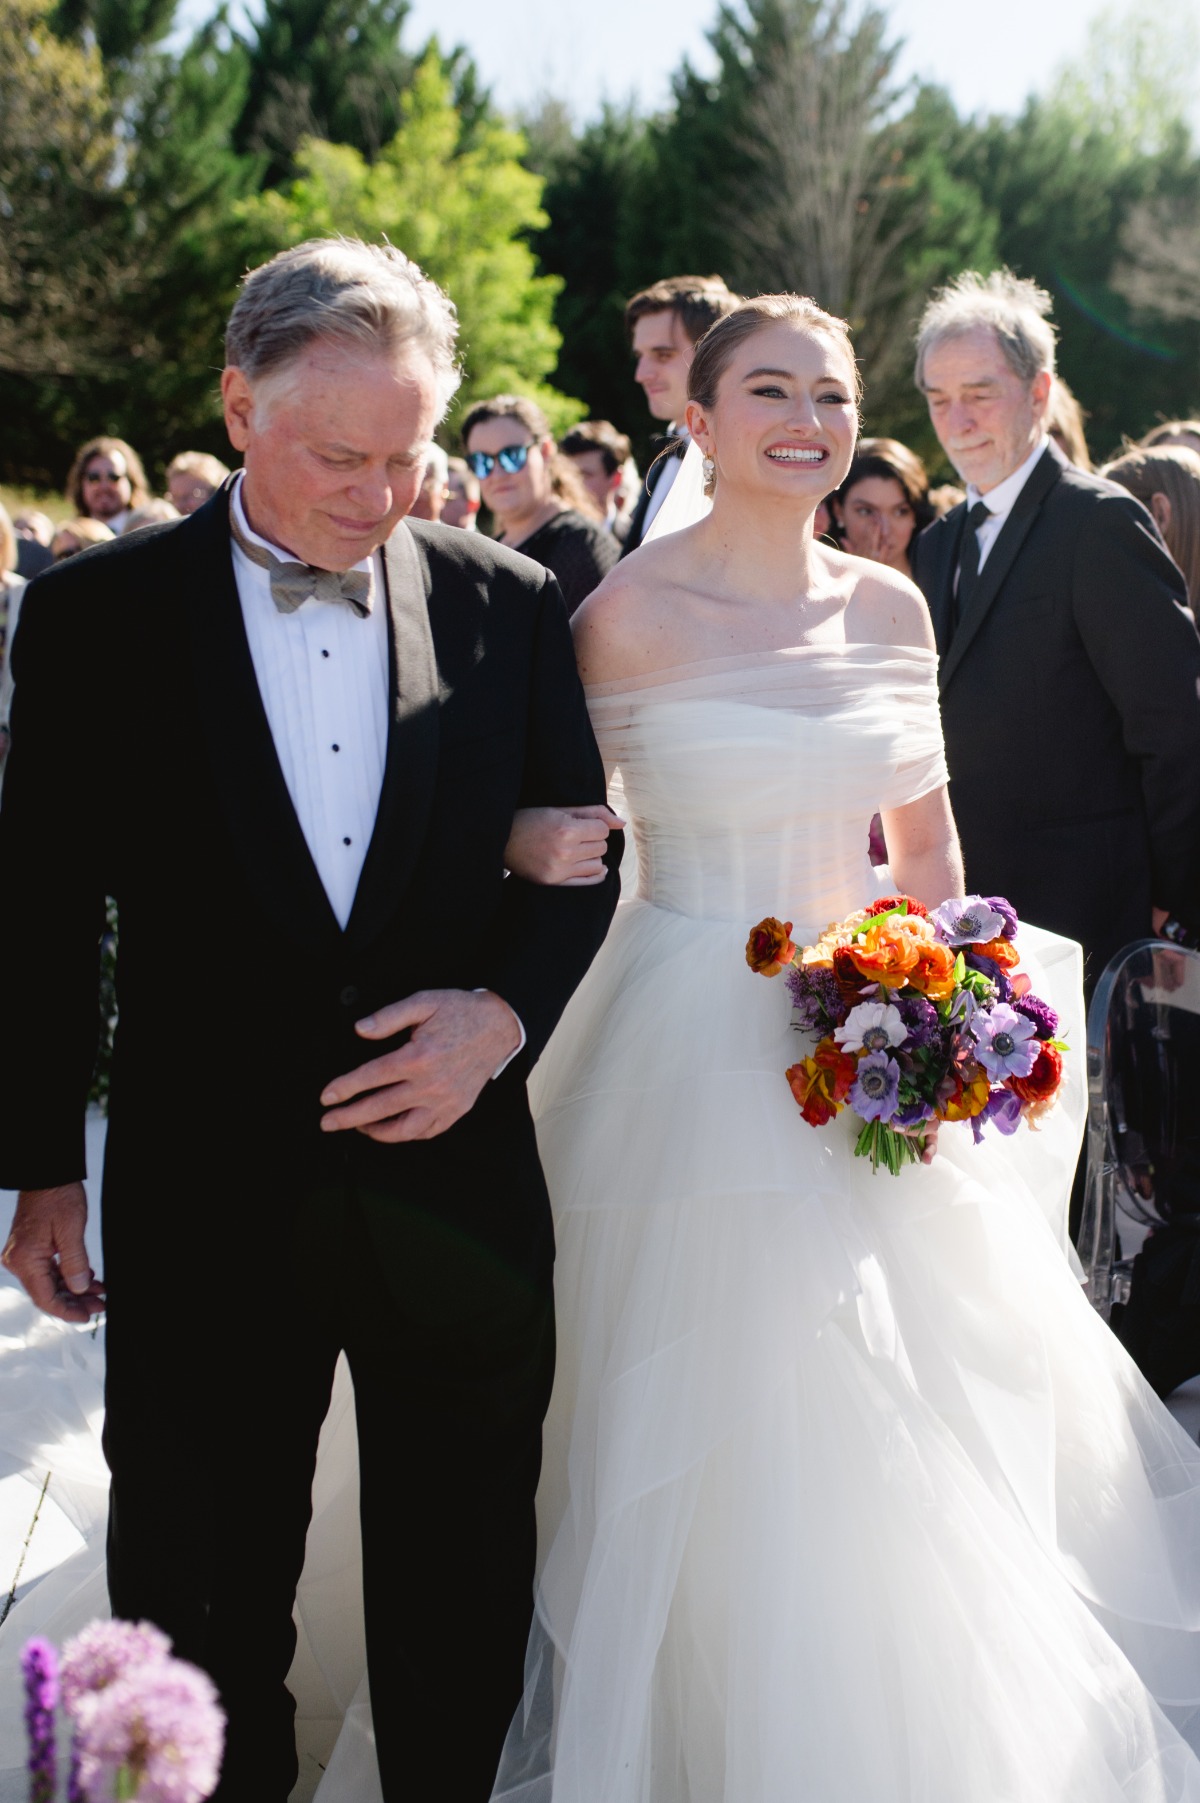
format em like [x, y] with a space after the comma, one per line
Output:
[968, 562]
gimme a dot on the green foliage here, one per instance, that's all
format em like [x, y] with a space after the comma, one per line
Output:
[458, 209]
[332, 69]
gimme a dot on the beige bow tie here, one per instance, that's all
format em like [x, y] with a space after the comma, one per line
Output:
[292, 584]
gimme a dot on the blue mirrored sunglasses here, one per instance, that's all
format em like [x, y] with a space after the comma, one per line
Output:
[511, 459]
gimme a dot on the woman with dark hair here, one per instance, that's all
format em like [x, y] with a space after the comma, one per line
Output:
[106, 482]
[536, 495]
[1166, 480]
[883, 503]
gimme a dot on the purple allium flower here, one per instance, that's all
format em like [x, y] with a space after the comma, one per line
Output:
[921, 1019]
[1005, 1042]
[967, 920]
[818, 1000]
[998, 905]
[876, 1090]
[163, 1726]
[1002, 1107]
[102, 1654]
[39, 1667]
[1045, 1020]
[871, 1027]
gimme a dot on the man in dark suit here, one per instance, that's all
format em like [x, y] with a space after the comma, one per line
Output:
[1070, 663]
[666, 323]
[314, 721]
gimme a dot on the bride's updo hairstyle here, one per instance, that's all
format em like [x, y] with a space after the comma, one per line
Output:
[716, 349]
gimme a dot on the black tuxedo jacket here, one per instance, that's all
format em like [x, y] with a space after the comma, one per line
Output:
[670, 448]
[142, 766]
[1071, 710]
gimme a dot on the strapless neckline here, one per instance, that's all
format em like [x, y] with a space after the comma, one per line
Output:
[838, 652]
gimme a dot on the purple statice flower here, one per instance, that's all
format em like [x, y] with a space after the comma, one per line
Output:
[875, 1092]
[162, 1727]
[998, 905]
[818, 1001]
[967, 920]
[1005, 1042]
[1003, 1108]
[871, 1027]
[104, 1653]
[921, 1019]
[1045, 1020]
[39, 1667]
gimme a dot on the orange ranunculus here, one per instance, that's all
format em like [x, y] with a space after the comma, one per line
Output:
[1001, 951]
[1042, 1083]
[933, 973]
[887, 953]
[769, 948]
[821, 1082]
[967, 1099]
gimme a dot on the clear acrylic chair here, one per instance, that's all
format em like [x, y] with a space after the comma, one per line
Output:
[1143, 1157]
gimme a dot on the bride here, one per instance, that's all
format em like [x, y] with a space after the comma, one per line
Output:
[848, 1496]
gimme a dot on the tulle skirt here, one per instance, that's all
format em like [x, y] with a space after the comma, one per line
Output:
[849, 1497]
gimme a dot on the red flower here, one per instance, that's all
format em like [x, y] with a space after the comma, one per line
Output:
[769, 948]
[893, 901]
[822, 1082]
[1044, 1079]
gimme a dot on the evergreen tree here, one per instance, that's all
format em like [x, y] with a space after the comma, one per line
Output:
[331, 69]
[120, 29]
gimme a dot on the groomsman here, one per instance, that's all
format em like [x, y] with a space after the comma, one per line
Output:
[1070, 662]
[666, 323]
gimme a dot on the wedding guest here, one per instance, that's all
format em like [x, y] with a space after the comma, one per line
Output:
[12, 587]
[883, 503]
[34, 531]
[79, 535]
[600, 453]
[463, 496]
[434, 491]
[1185, 432]
[1064, 635]
[154, 512]
[666, 322]
[194, 478]
[1064, 423]
[537, 499]
[106, 481]
[1166, 479]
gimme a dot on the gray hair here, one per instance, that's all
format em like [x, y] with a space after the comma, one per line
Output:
[1012, 307]
[366, 296]
[437, 465]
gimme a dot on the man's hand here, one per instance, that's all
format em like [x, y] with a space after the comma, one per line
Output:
[47, 1254]
[417, 1091]
[561, 847]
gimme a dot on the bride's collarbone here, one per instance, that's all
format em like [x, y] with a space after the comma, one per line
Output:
[709, 622]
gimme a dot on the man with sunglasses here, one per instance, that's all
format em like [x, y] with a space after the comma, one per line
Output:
[107, 482]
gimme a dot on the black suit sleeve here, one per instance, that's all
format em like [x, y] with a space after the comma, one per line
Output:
[51, 895]
[1130, 607]
[547, 937]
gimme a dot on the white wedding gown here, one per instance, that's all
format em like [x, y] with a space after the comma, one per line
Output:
[848, 1497]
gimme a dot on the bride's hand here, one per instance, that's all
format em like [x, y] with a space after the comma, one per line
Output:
[561, 847]
[931, 1139]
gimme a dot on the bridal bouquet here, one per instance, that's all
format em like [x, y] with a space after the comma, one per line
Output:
[917, 1017]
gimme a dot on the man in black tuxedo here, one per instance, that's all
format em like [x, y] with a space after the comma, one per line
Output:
[1070, 664]
[666, 322]
[289, 734]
